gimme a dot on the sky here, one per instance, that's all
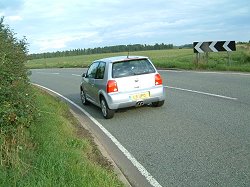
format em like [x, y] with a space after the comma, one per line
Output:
[58, 25]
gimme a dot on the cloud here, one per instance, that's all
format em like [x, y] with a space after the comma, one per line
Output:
[14, 18]
[60, 42]
[64, 24]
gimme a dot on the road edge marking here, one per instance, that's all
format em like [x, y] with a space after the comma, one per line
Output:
[128, 155]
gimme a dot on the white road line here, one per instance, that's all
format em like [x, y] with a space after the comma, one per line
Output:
[76, 75]
[129, 156]
[169, 70]
[207, 72]
[204, 93]
[48, 73]
[223, 73]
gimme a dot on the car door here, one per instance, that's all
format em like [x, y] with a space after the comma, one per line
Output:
[100, 83]
[89, 82]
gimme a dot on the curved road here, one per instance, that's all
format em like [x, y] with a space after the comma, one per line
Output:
[200, 137]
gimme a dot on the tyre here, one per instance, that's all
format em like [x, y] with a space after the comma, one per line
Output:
[83, 98]
[158, 103]
[106, 112]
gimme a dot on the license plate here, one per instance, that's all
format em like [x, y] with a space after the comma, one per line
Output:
[140, 96]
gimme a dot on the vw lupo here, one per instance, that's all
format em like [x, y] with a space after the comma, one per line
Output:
[121, 82]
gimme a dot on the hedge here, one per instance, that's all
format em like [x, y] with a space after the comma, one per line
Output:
[17, 108]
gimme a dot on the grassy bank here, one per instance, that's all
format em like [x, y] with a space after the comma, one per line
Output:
[174, 58]
[57, 151]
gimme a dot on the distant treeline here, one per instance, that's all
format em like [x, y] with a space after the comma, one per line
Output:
[107, 49]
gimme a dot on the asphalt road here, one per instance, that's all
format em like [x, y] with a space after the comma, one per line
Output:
[200, 137]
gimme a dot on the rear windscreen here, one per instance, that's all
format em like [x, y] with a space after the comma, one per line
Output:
[132, 67]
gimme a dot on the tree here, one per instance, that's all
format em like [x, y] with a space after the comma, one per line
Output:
[106, 49]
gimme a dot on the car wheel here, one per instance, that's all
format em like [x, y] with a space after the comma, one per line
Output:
[83, 98]
[158, 103]
[106, 112]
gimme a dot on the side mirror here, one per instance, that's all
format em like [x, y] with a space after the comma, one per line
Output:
[84, 75]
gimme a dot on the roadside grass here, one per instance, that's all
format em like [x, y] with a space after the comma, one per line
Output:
[173, 58]
[58, 152]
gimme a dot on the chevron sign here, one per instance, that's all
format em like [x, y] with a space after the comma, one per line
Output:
[214, 46]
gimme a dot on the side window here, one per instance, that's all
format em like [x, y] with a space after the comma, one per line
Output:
[92, 70]
[100, 70]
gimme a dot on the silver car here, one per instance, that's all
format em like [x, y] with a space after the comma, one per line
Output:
[121, 82]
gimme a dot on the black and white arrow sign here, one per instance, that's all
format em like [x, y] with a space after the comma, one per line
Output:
[214, 46]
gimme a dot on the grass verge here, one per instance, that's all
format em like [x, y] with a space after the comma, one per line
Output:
[57, 151]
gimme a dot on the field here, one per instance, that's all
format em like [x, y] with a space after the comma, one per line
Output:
[238, 60]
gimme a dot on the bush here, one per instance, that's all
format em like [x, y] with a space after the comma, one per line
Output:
[16, 101]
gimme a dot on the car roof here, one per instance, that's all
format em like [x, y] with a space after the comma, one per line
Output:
[121, 58]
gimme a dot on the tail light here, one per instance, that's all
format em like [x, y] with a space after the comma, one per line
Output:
[112, 86]
[158, 79]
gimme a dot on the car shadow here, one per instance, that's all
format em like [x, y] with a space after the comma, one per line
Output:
[95, 111]
[123, 110]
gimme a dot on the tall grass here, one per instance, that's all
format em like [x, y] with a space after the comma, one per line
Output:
[58, 152]
[173, 58]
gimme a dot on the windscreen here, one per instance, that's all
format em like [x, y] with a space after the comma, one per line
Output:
[131, 68]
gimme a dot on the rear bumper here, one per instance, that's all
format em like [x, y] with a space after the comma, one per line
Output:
[123, 100]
